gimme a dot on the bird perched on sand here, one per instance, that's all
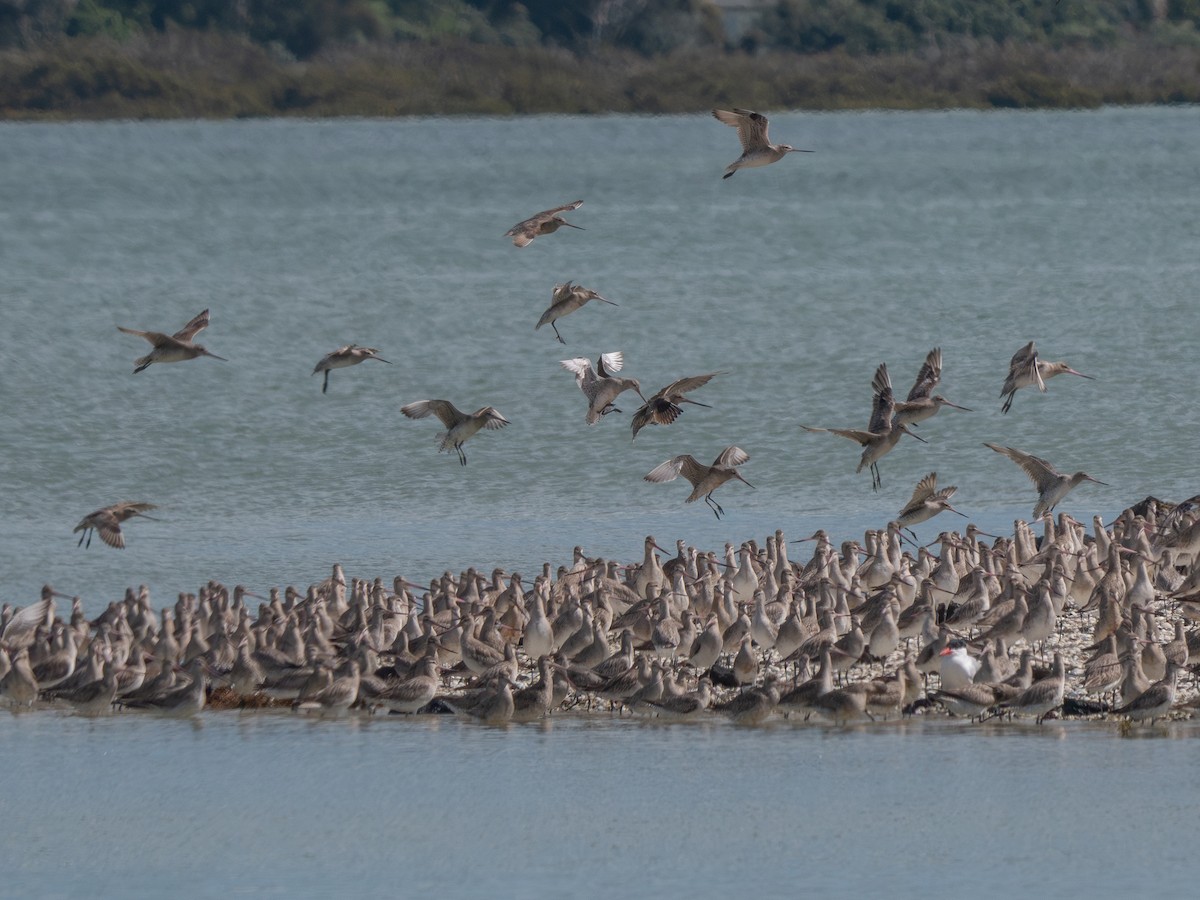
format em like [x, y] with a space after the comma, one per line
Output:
[546, 222]
[342, 357]
[1026, 369]
[107, 522]
[599, 384]
[459, 425]
[1052, 486]
[565, 300]
[704, 479]
[175, 347]
[757, 149]
[663, 407]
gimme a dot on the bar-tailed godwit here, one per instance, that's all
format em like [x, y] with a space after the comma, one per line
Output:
[546, 222]
[757, 149]
[350, 355]
[176, 347]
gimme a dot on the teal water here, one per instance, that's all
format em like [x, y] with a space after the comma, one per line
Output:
[975, 232]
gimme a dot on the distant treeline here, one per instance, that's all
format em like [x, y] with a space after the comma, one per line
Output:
[219, 58]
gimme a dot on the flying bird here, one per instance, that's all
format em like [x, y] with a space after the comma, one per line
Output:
[599, 384]
[922, 403]
[1051, 486]
[926, 502]
[704, 479]
[565, 300]
[663, 407]
[175, 347]
[350, 355]
[107, 522]
[1026, 369]
[545, 222]
[883, 432]
[757, 149]
[459, 425]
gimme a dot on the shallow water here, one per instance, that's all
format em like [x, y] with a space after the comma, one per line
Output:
[975, 232]
[585, 807]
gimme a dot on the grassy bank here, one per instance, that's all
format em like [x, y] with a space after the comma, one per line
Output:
[198, 75]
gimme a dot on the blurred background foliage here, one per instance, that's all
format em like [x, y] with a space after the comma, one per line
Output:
[256, 57]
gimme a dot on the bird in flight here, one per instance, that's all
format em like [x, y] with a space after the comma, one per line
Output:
[757, 149]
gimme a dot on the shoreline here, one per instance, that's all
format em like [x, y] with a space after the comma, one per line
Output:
[351, 647]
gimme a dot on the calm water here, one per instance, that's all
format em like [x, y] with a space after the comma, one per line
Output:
[975, 232]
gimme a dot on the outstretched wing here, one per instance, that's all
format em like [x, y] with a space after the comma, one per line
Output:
[22, 627]
[443, 409]
[193, 328]
[156, 338]
[1039, 470]
[1024, 364]
[492, 419]
[677, 389]
[928, 377]
[609, 363]
[751, 126]
[656, 411]
[672, 468]
[923, 491]
[885, 402]
[524, 232]
[731, 457]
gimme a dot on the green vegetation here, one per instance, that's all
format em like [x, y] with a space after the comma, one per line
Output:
[223, 58]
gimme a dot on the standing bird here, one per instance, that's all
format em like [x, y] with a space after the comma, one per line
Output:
[565, 300]
[1025, 369]
[175, 347]
[350, 355]
[922, 403]
[459, 425]
[704, 479]
[599, 385]
[663, 408]
[545, 222]
[108, 521]
[1052, 486]
[757, 149]
[883, 432]
[926, 502]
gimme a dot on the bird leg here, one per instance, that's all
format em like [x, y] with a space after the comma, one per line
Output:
[462, 457]
[714, 505]
[325, 386]
[1008, 403]
[557, 335]
[876, 480]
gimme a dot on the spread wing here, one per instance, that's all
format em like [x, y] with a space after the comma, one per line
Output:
[923, 491]
[686, 465]
[157, 338]
[193, 328]
[609, 363]
[751, 126]
[491, 416]
[656, 411]
[21, 628]
[731, 457]
[885, 402]
[1039, 470]
[677, 389]
[443, 409]
[928, 377]
[581, 366]
[1024, 364]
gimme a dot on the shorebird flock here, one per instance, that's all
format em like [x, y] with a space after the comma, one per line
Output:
[1069, 624]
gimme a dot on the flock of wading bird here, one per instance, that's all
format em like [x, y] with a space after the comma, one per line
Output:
[847, 635]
